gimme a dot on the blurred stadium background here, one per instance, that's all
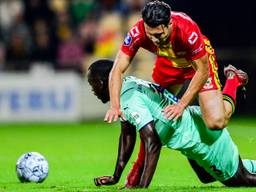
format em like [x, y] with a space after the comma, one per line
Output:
[47, 45]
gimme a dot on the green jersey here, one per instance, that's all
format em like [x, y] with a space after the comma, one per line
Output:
[142, 102]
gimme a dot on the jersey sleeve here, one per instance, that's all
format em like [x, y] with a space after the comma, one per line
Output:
[132, 41]
[194, 41]
[135, 110]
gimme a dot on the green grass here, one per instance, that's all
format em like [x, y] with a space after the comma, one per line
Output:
[78, 152]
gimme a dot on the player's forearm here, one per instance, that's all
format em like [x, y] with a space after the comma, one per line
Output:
[197, 82]
[126, 146]
[195, 86]
[115, 83]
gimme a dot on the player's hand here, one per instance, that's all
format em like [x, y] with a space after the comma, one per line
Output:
[105, 180]
[173, 111]
[113, 114]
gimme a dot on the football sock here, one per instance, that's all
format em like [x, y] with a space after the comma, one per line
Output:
[230, 89]
[250, 165]
[134, 175]
[141, 155]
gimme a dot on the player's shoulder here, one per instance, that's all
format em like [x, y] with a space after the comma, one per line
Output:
[135, 80]
[137, 30]
[184, 27]
[131, 82]
[180, 16]
[128, 83]
[182, 21]
[134, 35]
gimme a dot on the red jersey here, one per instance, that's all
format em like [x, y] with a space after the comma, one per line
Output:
[186, 41]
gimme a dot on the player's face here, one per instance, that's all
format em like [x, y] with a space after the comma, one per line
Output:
[158, 35]
[99, 89]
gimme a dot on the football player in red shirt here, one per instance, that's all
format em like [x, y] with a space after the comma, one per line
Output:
[182, 52]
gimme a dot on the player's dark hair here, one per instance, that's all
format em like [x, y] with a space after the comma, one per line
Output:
[156, 13]
[101, 69]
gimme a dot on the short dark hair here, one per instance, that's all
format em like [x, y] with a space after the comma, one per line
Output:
[101, 69]
[156, 13]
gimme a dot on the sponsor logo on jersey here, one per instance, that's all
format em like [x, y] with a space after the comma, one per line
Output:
[127, 40]
[200, 48]
[192, 38]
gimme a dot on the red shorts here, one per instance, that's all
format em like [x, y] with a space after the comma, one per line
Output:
[166, 75]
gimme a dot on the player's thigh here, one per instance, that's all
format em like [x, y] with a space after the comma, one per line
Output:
[212, 106]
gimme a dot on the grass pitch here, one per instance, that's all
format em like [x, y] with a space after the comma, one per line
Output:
[78, 152]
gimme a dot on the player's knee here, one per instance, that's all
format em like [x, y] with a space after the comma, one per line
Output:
[217, 123]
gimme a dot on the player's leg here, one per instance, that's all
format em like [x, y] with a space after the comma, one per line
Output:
[210, 96]
[135, 173]
[217, 107]
[243, 176]
[235, 78]
[250, 165]
[213, 110]
[201, 173]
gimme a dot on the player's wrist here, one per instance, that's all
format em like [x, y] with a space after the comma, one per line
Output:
[182, 104]
[116, 178]
[115, 107]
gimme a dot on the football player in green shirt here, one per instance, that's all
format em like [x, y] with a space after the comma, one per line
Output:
[212, 154]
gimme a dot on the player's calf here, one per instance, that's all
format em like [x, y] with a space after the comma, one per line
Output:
[133, 178]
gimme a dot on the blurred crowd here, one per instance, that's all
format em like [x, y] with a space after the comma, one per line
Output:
[64, 34]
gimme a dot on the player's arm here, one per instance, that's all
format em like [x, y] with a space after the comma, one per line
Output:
[199, 79]
[121, 63]
[126, 145]
[153, 146]
[202, 73]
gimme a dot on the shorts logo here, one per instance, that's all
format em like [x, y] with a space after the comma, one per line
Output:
[136, 117]
[208, 84]
[193, 38]
[127, 40]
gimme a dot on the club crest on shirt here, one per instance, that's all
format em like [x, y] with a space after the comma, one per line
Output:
[127, 40]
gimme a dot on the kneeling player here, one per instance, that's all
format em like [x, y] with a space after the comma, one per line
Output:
[212, 154]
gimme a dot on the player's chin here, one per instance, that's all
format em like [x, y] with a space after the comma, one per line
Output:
[104, 100]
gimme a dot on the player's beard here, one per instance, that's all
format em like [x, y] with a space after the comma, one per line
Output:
[163, 43]
[104, 100]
